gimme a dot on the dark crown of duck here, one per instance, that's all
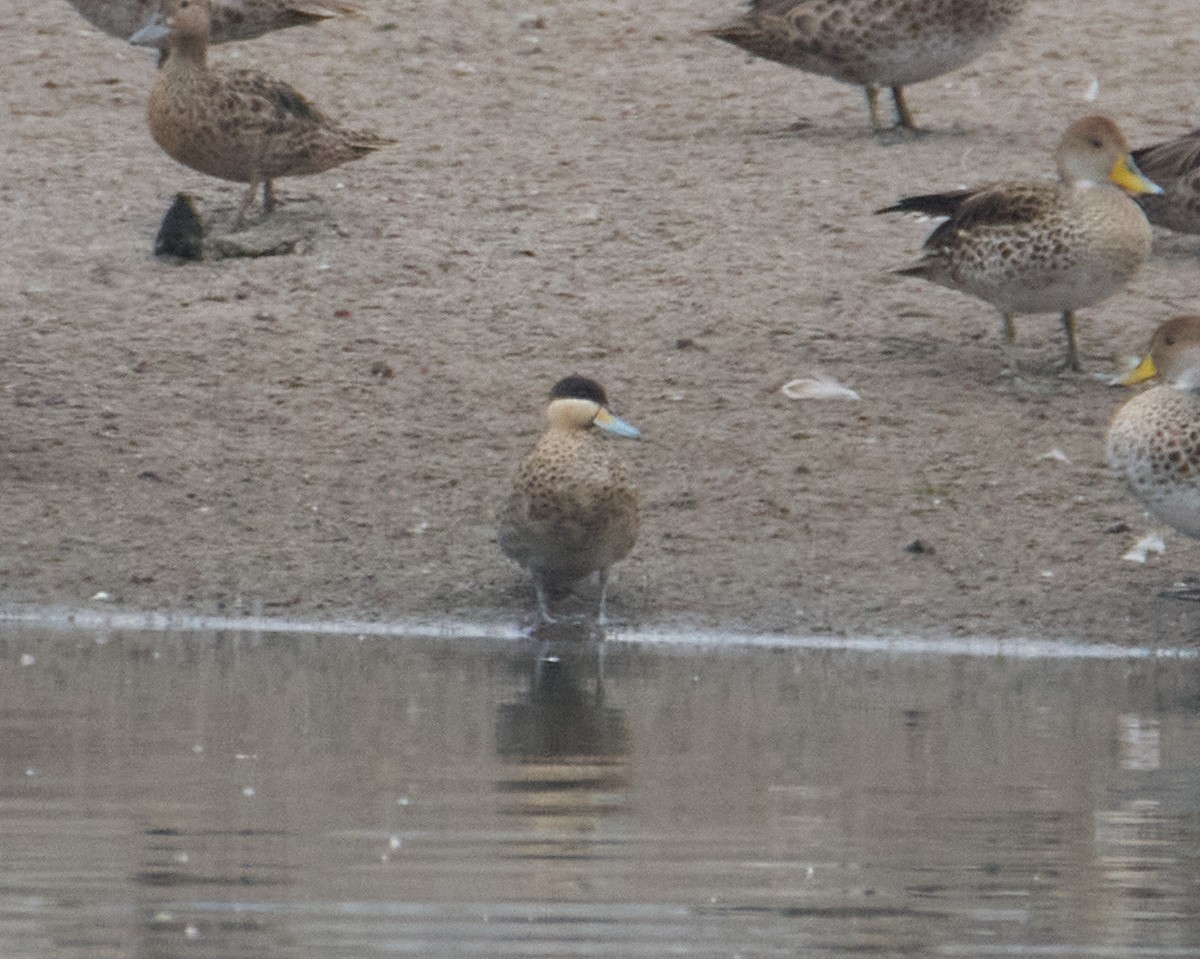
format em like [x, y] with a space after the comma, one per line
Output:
[576, 387]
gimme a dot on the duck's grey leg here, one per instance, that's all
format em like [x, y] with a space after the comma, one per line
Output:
[601, 616]
[1010, 327]
[247, 202]
[1068, 322]
[872, 93]
[543, 607]
[904, 117]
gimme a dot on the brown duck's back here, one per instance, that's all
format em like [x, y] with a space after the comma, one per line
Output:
[230, 19]
[245, 126]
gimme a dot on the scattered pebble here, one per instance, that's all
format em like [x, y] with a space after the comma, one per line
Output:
[253, 245]
[1152, 542]
[817, 388]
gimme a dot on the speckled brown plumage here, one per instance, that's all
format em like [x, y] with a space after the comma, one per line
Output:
[573, 509]
[1174, 166]
[230, 19]
[1154, 439]
[1043, 246]
[872, 43]
[241, 125]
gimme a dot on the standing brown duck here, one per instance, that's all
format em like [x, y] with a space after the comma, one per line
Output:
[240, 125]
[230, 19]
[1043, 246]
[872, 43]
[573, 509]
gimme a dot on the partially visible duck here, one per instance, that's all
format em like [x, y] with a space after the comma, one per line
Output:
[241, 125]
[872, 43]
[1043, 246]
[1175, 166]
[573, 510]
[230, 19]
[1154, 439]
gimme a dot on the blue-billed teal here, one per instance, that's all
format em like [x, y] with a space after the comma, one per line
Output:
[573, 509]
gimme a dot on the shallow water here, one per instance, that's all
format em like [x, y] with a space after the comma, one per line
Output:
[228, 794]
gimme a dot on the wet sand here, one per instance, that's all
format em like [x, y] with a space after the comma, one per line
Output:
[585, 187]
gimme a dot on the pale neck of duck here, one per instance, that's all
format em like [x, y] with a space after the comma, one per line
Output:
[1185, 374]
[571, 415]
[189, 50]
[1083, 172]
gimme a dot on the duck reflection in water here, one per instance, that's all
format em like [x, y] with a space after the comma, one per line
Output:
[566, 752]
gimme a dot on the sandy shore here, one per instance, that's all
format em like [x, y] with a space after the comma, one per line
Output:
[582, 187]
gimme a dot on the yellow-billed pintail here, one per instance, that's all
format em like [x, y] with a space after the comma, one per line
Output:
[1043, 246]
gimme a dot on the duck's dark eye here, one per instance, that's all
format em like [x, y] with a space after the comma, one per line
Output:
[1169, 340]
[1094, 141]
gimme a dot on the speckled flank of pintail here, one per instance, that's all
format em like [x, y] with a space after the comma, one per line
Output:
[1043, 246]
[872, 43]
[1174, 166]
[230, 19]
[573, 509]
[1154, 439]
[241, 125]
